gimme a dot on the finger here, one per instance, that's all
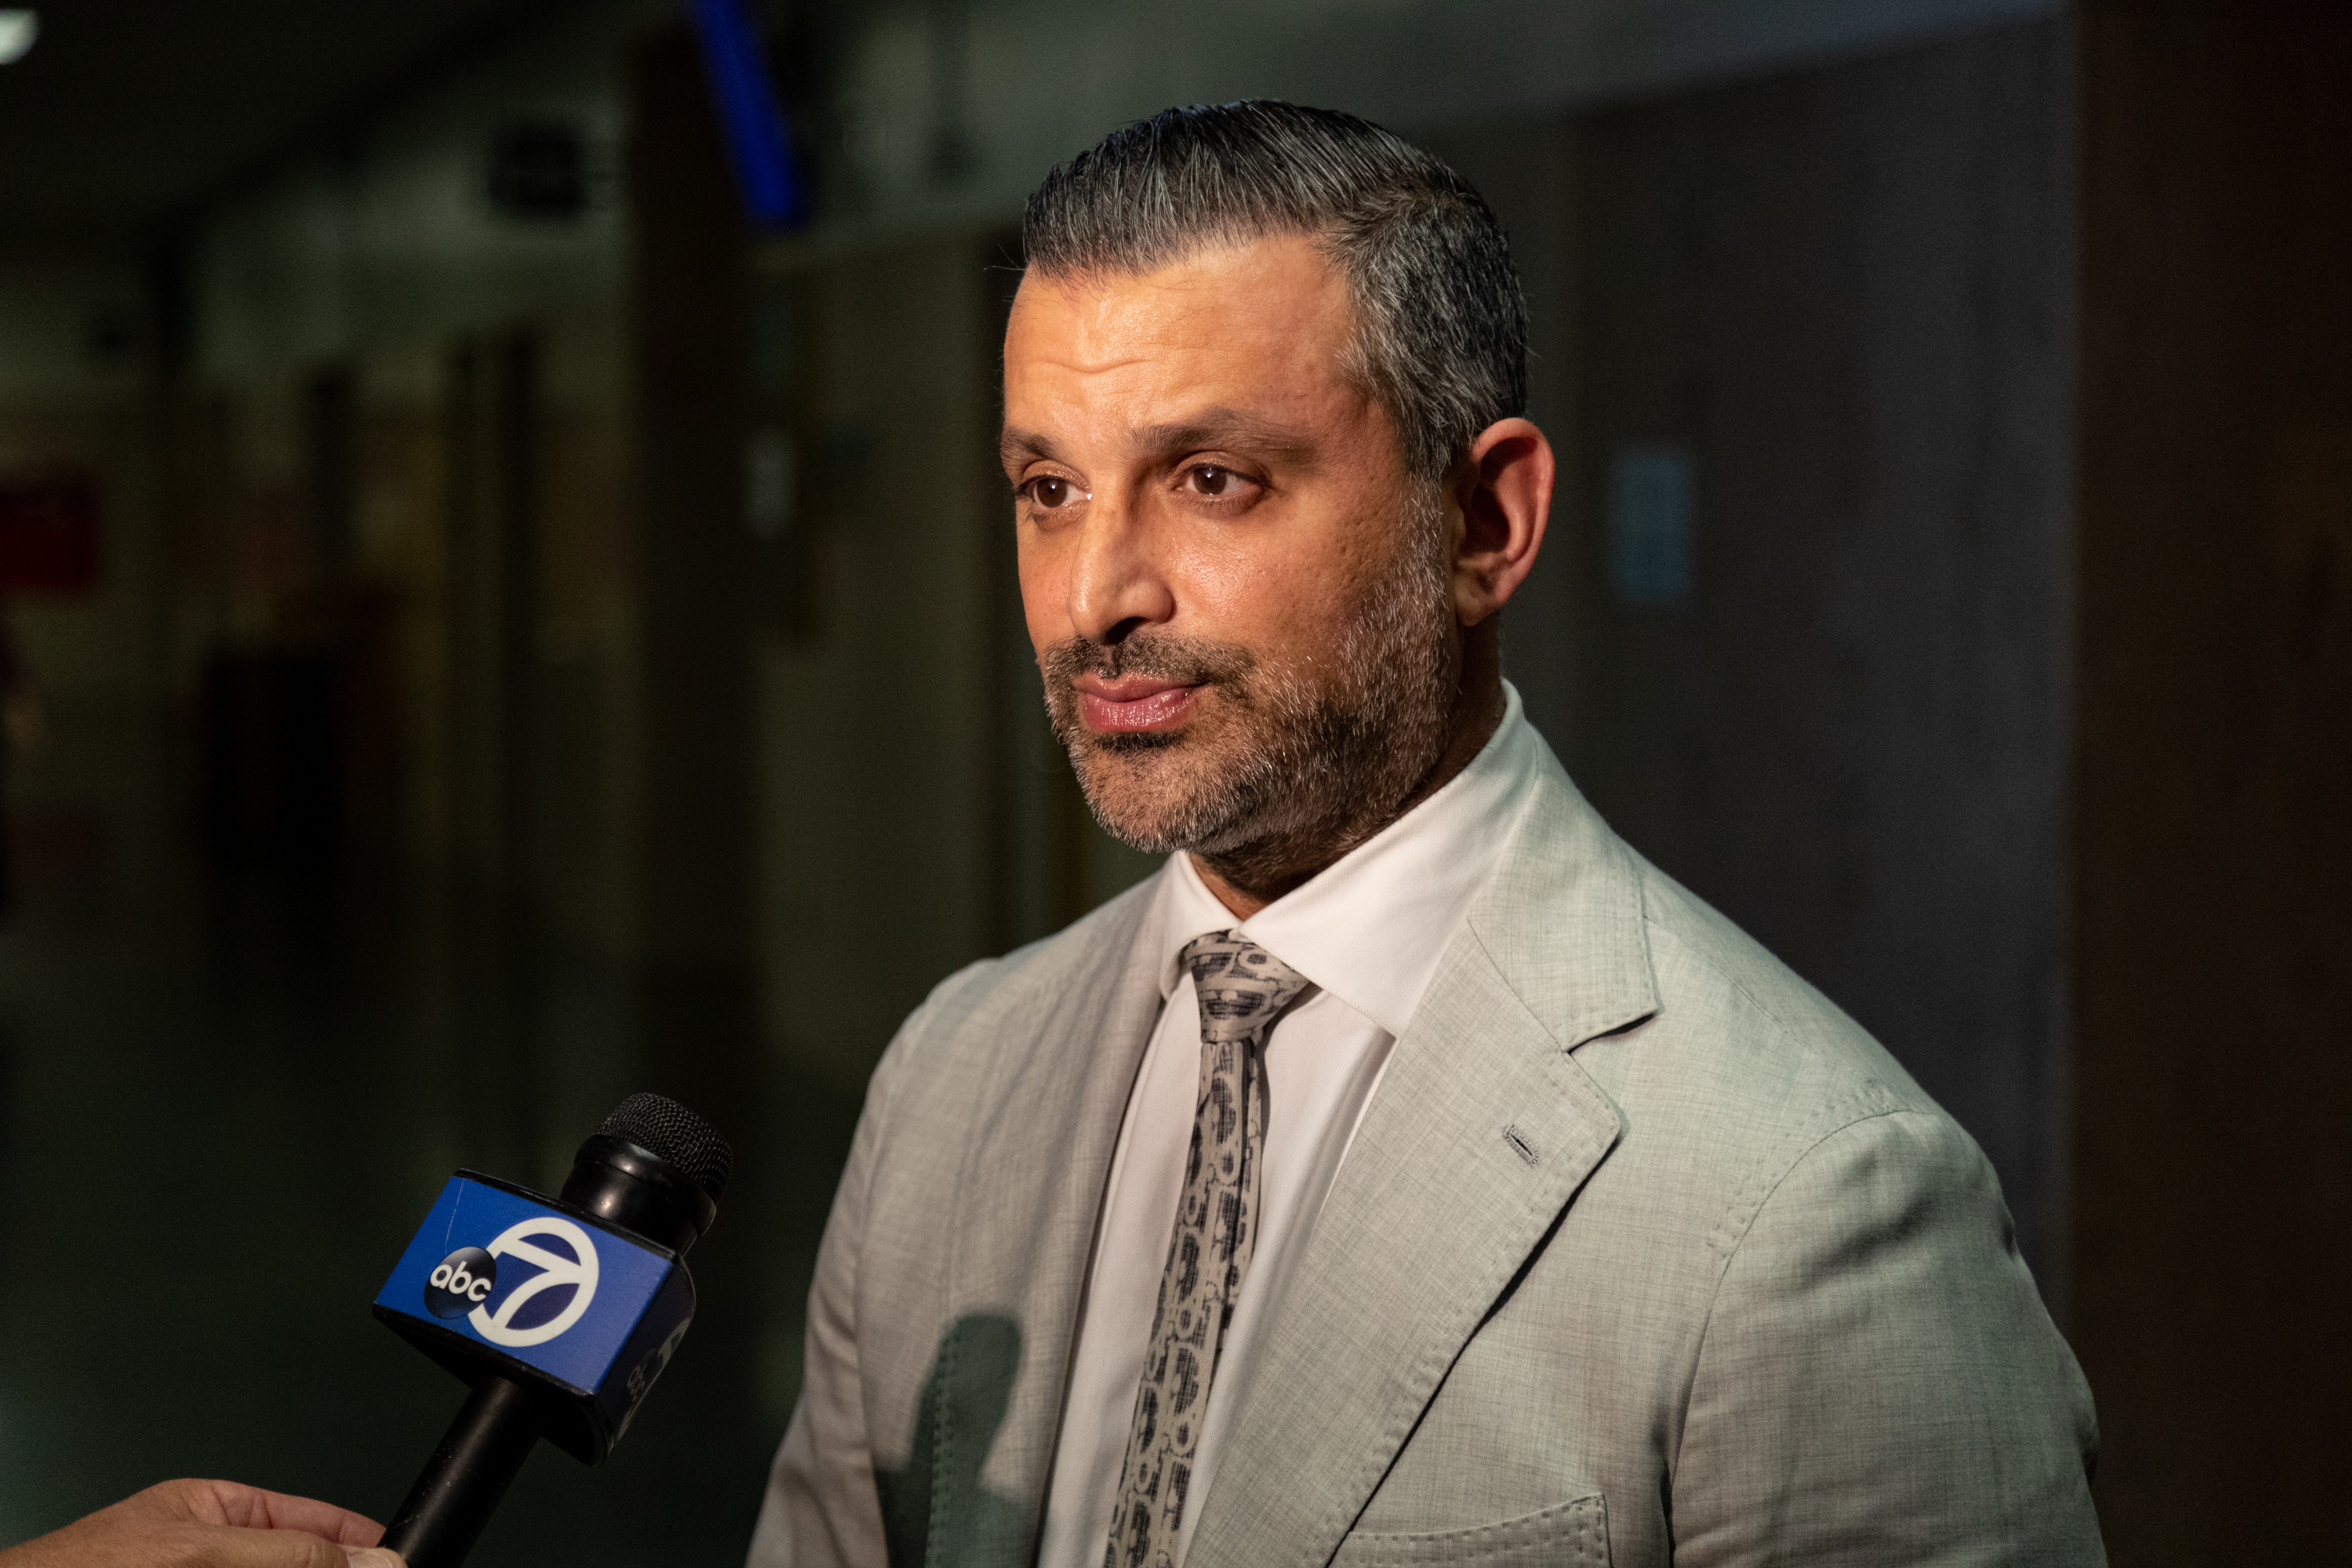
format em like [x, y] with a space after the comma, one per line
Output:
[250, 1507]
[221, 1546]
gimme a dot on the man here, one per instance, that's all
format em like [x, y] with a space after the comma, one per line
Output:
[1408, 1173]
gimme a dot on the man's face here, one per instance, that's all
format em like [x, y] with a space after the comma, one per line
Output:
[1238, 596]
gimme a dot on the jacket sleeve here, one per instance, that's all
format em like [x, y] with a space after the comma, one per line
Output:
[822, 1511]
[1878, 1381]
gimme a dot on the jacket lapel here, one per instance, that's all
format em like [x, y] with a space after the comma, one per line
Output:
[1483, 1130]
[1027, 1204]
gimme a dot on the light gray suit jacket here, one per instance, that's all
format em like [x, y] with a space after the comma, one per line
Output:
[1644, 1253]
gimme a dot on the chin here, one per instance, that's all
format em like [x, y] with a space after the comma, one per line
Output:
[1132, 743]
[1148, 799]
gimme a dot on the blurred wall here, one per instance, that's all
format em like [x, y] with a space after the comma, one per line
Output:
[74, 396]
[478, 562]
[940, 111]
[876, 717]
[2214, 952]
[76, 406]
[1844, 297]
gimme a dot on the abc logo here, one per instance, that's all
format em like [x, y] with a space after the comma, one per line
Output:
[546, 1275]
[463, 1282]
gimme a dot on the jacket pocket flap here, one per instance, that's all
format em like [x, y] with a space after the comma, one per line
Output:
[1572, 1534]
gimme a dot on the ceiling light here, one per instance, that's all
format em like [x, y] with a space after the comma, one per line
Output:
[18, 31]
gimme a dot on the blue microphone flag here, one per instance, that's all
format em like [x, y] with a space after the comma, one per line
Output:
[544, 1292]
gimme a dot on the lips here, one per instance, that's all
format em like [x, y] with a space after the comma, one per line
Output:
[1133, 705]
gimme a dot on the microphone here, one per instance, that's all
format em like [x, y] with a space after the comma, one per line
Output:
[559, 1312]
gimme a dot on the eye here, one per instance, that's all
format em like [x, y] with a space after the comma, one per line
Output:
[1213, 482]
[1050, 493]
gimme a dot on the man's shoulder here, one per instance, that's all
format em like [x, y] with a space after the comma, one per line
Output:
[1744, 1071]
[1659, 992]
[1732, 994]
[956, 1018]
[1726, 1067]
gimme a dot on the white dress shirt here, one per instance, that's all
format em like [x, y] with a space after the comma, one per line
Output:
[1368, 932]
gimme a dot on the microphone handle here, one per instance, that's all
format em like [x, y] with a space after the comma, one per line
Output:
[453, 1499]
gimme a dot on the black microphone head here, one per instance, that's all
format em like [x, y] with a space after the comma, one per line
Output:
[660, 1125]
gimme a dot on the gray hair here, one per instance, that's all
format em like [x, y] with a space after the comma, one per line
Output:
[1440, 327]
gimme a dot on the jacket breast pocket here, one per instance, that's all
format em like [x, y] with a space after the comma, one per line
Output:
[1572, 1534]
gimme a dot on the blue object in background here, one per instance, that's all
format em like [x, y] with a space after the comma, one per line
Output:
[1650, 524]
[735, 59]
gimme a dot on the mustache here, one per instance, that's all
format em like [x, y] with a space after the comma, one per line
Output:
[1190, 661]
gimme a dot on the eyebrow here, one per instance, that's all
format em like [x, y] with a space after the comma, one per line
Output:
[1016, 444]
[1228, 427]
[1231, 427]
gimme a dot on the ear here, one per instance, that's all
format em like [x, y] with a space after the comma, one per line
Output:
[1504, 490]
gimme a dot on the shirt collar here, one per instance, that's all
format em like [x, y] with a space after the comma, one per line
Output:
[1371, 927]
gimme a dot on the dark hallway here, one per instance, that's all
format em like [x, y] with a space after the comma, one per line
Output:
[227, 1095]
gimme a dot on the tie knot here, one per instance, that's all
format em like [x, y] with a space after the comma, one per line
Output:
[1241, 985]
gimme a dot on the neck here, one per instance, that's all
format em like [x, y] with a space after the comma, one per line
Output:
[1248, 879]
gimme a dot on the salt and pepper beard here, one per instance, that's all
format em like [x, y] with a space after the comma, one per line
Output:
[1312, 756]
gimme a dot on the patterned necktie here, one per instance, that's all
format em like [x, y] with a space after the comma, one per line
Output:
[1243, 989]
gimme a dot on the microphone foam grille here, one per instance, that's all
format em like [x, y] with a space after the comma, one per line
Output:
[658, 1123]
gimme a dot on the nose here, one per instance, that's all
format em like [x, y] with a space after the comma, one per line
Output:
[1116, 583]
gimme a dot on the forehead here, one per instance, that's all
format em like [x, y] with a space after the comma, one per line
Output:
[1263, 325]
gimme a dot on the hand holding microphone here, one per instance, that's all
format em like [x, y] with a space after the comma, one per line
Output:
[559, 1312]
[209, 1524]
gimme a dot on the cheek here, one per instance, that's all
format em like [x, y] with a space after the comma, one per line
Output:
[1044, 592]
[1287, 594]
